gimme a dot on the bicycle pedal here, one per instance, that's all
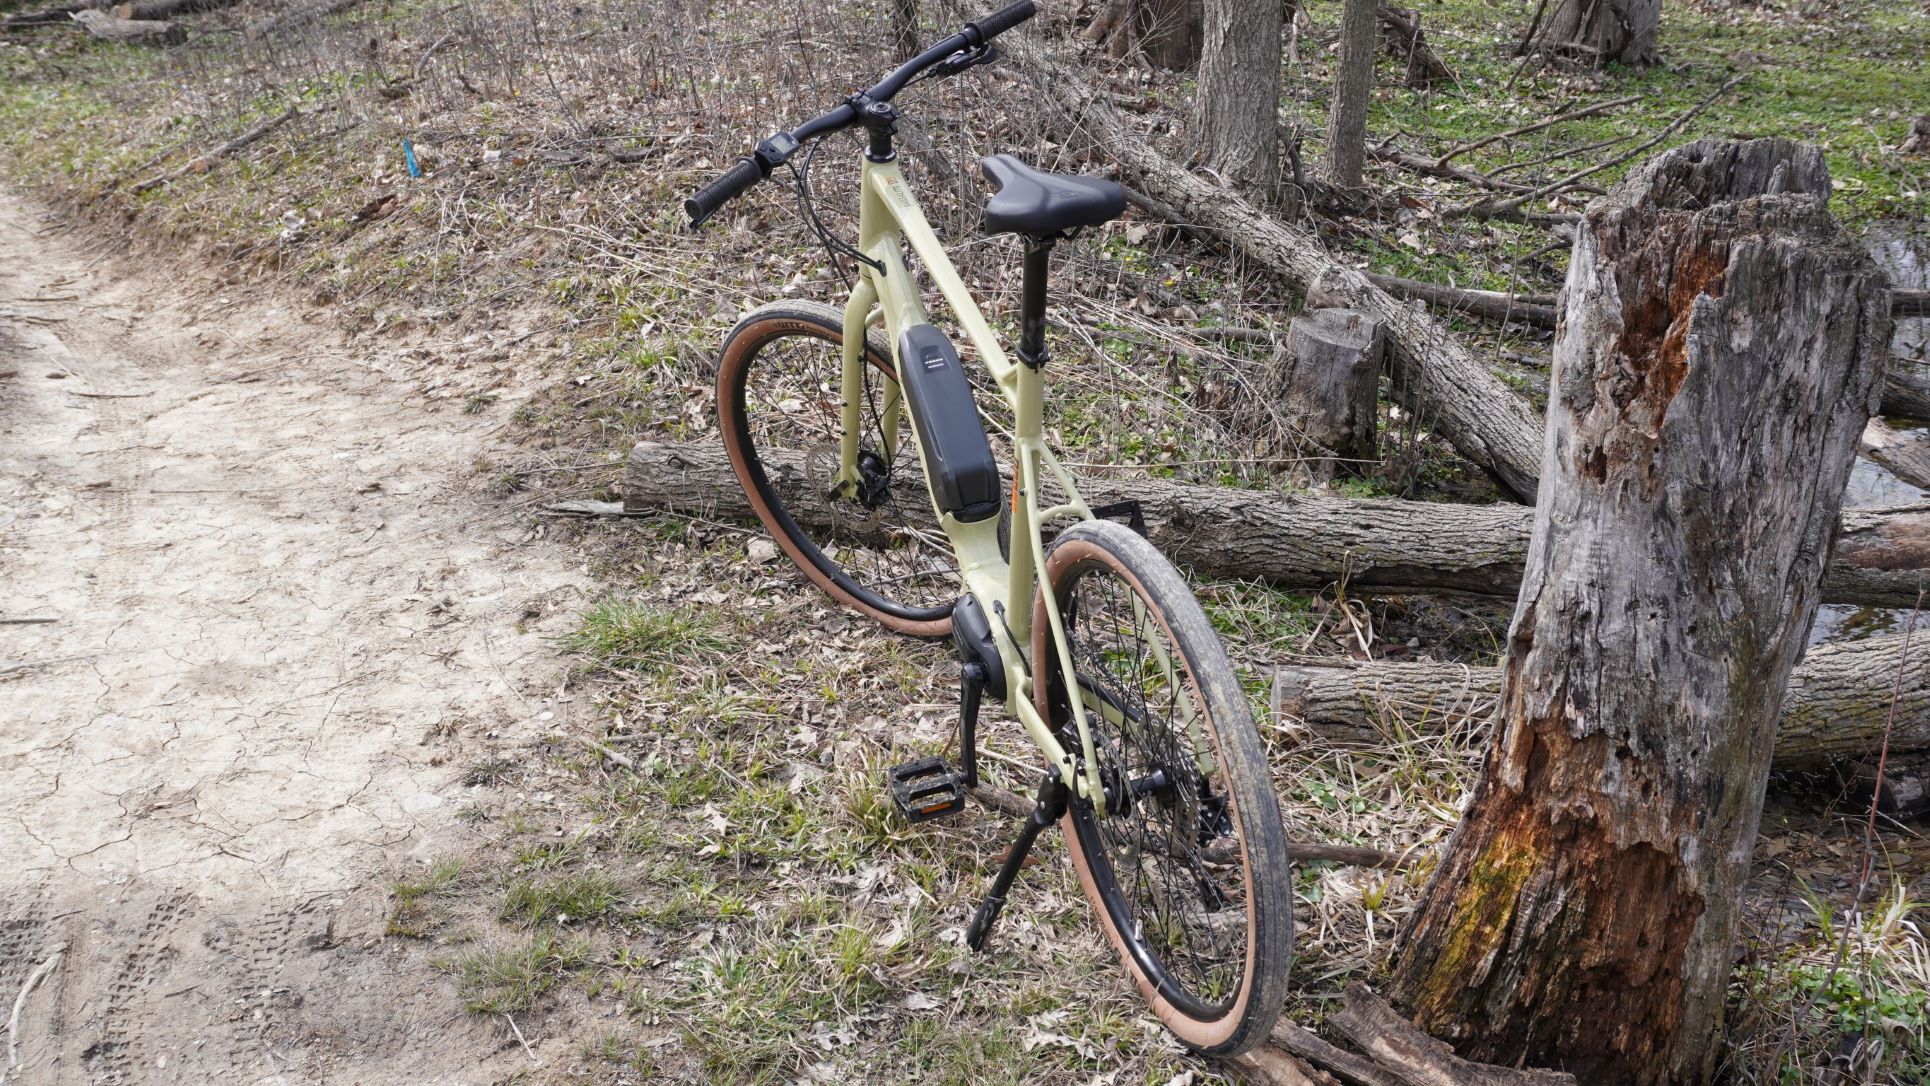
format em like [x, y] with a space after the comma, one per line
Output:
[927, 788]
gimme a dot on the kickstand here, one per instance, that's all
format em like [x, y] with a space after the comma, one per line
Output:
[1050, 808]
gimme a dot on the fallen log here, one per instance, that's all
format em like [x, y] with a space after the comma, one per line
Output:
[104, 27]
[62, 15]
[1836, 707]
[168, 9]
[1382, 547]
[1905, 452]
[1434, 375]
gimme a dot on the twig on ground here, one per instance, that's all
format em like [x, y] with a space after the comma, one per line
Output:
[1550, 122]
[20, 1002]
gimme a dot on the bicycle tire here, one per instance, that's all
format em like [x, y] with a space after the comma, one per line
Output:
[780, 429]
[1222, 999]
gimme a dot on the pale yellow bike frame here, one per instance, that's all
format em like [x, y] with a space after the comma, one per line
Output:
[888, 218]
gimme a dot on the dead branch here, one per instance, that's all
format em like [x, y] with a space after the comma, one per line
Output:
[203, 163]
[1490, 208]
[1535, 309]
[1572, 115]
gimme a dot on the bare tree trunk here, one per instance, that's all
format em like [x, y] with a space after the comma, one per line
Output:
[1598, 31]
[1720, 352]
[1239, 95]
[1837, 706]
[1166, 32]
[904, 29]
[1294, 540]
[1353, 87]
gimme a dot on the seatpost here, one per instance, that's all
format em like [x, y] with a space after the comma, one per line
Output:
[1038, 256]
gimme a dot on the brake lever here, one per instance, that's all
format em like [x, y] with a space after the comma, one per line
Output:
[965, 58]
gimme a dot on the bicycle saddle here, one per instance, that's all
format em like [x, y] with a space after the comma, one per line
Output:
[1040, 204]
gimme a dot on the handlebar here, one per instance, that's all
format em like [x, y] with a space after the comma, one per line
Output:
[773, 152]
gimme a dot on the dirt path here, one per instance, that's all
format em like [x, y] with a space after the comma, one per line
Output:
[277, 632]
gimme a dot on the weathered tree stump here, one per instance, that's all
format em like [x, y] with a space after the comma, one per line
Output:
[1293, 540]
[1595, 32]
[1720, 352]
[1836, 707]
[1330, 384]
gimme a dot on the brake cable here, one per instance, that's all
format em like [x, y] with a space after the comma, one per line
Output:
[833, 246]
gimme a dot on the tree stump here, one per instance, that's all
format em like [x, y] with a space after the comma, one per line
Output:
[1721, 348]
[1594, 32]
[1331, 385]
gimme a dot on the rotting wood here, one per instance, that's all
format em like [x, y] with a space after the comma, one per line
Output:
[1693, 483]
[1383, 547]
[1434, 375]
[1415, 1059]
[1835, 708]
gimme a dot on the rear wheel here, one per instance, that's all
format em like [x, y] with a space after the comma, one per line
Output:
[1187, 870]
[876, 548]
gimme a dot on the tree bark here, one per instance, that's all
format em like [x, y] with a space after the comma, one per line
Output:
[1239, 92]
[1166, 32]
[1598, 31]
[1331, 385]
[1434, 375]
[1353, 87]
[1836, 707]
[1720, 351]
[1380, 547]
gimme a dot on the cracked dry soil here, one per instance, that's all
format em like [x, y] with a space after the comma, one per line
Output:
[275, 629]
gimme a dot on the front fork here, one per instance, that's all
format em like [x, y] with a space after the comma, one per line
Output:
[849, 481]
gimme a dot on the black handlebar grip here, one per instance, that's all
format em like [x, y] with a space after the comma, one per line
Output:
[1003, 20]
[744, 173]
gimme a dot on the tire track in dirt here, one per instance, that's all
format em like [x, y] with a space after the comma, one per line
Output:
[279, 629]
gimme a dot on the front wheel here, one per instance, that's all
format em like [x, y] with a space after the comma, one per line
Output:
[876, 548]
[1187, 869]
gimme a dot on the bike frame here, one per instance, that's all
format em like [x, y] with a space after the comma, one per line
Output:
[888, 219]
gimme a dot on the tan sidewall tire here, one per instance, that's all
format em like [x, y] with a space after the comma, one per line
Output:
[757, 328]
[1245, 1023]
